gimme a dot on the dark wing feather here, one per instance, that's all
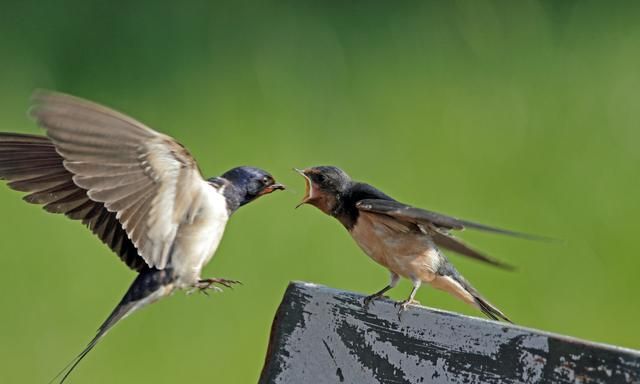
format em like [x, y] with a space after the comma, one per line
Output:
[148, 179]
[449, 242]
[437, 226]
[31, 164]
[422, 216]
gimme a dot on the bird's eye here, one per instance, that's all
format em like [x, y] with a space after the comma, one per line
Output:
[265, 180]
[321, 178]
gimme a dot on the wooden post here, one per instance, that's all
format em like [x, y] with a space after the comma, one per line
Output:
[324, 336]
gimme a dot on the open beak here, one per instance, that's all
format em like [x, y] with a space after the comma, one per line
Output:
[308, 193]
[271, 188]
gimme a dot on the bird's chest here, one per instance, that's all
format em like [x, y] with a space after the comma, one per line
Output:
[396, 246]
[198, 240]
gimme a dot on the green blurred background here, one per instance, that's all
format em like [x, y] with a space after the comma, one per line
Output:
[518, 114]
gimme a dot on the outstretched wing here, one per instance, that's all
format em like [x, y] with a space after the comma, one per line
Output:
[147, 179]
[31, 164]
[449, 242]
[438, 226]
[417, 215]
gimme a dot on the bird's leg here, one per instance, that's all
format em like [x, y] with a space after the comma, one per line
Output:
[392, 283]
[404, 305]
[204, 284]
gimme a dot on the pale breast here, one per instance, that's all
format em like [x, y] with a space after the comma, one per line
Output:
[396, 246]
[198, 239]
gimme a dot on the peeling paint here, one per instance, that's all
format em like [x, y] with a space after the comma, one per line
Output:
[321, 335]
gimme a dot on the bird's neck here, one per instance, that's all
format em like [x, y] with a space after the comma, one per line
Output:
[233, 194]
[345, 210]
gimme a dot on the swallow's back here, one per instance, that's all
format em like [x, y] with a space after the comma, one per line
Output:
[347, 211]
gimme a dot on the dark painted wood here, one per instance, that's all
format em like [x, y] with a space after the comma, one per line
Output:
[324, 336]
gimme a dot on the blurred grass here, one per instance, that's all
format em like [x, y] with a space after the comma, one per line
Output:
[517, 114]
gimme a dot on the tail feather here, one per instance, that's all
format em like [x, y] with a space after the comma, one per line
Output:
[149, 286]
[454, 283]
[488, 309]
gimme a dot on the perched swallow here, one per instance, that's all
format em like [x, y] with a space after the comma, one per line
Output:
[402, 238]
[139, 191]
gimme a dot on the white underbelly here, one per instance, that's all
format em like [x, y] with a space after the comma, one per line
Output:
[196, 242]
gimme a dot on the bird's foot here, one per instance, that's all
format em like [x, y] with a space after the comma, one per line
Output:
[203, 285]
[367, 300]
[404, 305]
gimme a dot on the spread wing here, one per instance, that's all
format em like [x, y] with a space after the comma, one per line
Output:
[417, 215]
[31, 164]
[439, 225]
[147, 179]
[449, 242]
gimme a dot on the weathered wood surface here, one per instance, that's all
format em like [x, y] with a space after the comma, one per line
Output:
[321, 335]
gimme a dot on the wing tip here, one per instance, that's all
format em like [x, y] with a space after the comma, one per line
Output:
[39, 97]
[502, 231]
[504, 266]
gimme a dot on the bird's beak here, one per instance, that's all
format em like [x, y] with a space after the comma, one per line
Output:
[308, 193]
[271, 188]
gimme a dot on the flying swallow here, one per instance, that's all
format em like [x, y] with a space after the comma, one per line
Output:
[402, 238]
[138, 190]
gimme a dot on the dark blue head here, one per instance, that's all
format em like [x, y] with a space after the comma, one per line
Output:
[248, 184]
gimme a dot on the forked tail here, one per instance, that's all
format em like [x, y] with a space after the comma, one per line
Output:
[149, 286]
[454, 283]
[489, 309]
